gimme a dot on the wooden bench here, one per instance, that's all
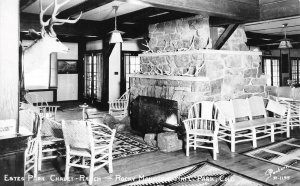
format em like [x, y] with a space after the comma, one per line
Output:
[243, 119]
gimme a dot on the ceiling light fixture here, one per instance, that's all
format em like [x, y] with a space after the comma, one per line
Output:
[158, 14]
[116, 34]
[285, 43]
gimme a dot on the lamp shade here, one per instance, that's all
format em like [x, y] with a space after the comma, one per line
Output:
[285, 43]
[116, 37]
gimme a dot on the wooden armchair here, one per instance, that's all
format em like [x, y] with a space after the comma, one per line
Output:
[202, 127]
[119, 107]
[51, 143]
[85, 144]
[293, 108]
[281, 113]
[46, 110]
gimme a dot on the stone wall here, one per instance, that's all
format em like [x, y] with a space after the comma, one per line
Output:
[224, 75]
[237, 41]
[177, 67]
[181, 34]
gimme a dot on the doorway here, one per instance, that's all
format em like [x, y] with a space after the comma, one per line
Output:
[93, 78]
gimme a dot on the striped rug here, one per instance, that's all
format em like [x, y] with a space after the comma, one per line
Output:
[284, 153]
[204, 173]
[125, 146]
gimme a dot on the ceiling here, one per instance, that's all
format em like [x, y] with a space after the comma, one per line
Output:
[100, 13]
[134, 16]
[268, 33]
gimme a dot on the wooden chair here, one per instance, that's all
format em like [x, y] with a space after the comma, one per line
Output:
[84, 144]
[285, 92]
[31, 121]
[119, 107]
[293, 111]
[281, 112]
[202, 127]
[46, 110]
[51, 143]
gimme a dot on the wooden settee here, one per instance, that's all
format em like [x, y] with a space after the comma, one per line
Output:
[247, 120]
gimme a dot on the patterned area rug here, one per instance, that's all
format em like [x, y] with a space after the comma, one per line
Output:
[125, 146]
[204, 173]
[284, 153]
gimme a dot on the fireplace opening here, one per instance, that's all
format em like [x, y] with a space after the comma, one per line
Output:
[154, 115]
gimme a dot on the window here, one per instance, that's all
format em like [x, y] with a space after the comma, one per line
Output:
[271, 69]
[295, 61]
[131, 65]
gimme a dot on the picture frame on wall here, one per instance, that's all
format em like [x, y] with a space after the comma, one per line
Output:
[67, 67]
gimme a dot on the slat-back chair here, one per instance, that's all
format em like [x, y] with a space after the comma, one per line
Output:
[294, 108]
[46, 110]
[202, 127]
[280, 110]
[51, 141]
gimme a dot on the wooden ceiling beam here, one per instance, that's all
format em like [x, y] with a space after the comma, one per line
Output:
[81, 28]
[221, 21]
[84, 27]
[263, 36]
[224, 36]
[259, 42]
[275, 46]
[235, 9]
[142, 16]
[252, 35]
[26, 3]
[273, 9]
[83, 7]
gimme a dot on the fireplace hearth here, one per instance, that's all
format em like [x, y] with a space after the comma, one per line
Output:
[154, 115]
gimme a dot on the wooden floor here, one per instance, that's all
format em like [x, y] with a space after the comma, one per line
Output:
[157, 162]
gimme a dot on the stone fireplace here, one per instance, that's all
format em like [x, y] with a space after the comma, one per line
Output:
[150, 114]
[180, 65]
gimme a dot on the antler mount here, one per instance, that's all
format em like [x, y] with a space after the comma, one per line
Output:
[47, 26]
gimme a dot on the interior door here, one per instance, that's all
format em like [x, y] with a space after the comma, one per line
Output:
[93, 78]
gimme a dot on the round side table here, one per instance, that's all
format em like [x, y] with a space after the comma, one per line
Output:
[84, 106]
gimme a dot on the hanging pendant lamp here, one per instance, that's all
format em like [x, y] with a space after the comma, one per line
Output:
[116, 34]
[285, 43]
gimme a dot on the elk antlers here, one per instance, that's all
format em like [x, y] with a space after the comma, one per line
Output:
[53, 20]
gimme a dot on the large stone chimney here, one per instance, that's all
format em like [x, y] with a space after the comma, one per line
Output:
[180, 65]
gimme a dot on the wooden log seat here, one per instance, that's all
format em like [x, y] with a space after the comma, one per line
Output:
[246, 120]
